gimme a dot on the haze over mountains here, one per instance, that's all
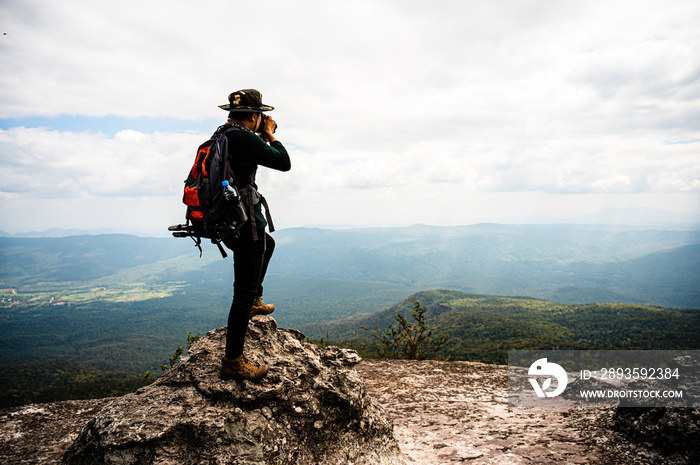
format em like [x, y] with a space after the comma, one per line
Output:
[628, 216]
[311, 267]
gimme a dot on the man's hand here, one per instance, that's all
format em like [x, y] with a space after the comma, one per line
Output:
[267, 130]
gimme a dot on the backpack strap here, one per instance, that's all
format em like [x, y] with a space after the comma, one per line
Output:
[268, 215]
[251, 211]
[253, 197]
[251, 193]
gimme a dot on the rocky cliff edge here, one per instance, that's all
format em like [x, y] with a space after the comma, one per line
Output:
[312, 408]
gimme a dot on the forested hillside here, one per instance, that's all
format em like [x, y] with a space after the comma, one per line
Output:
[485, 328]
[99, 350]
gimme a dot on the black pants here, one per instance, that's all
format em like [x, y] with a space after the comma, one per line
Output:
[250, 260]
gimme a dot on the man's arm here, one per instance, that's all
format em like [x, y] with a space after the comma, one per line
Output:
[272, 156]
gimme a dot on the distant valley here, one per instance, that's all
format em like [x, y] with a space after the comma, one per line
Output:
[320, 275]
[119, 289]
[121, 302]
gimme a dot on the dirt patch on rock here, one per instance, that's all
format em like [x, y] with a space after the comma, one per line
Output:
[457, 412]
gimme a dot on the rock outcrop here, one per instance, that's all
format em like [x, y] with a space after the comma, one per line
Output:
[673, 431]
[443, 412]
[40, 433]
[311, 408]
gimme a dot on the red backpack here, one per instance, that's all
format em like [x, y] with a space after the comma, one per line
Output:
[215, 210]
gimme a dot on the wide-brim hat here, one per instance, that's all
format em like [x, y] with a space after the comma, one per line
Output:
[245, 100]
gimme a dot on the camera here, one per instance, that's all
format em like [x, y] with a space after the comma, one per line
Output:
[263, 118]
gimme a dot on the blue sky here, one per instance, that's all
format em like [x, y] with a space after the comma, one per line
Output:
[394, 112]
[108, 125]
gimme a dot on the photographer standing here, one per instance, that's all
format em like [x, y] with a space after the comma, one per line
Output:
[253, 248]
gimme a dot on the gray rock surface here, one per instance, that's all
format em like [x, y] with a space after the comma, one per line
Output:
[675, 432]
[40, 433]
[443, 413]
[312, 408]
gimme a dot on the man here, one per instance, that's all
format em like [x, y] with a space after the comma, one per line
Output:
[253, 248]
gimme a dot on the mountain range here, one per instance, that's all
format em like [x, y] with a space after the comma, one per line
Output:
[124, 303]
[312, 268]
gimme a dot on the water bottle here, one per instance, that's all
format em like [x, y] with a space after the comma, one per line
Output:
[229, 192]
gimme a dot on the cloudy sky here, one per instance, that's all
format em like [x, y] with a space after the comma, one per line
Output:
[394, 112]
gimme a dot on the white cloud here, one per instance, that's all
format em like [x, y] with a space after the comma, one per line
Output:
[392, 99]
[46, 164]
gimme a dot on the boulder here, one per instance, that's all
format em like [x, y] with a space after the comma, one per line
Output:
[672, 431]
[311, 408]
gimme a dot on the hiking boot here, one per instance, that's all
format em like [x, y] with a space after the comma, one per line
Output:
[240, 368]
[261, 308]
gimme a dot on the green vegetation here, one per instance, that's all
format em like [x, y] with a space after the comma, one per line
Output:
[114, 347]
[103, 335]
[61, 380]
[411, 340]
[75, 296]
[118, 303]
[150, 376]
[485, 328]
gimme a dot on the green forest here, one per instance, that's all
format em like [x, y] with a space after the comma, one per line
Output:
[57, 380]
[87, 316]
[109, 356]
[484, 328]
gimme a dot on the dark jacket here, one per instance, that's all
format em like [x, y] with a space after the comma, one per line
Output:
[247, 151]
